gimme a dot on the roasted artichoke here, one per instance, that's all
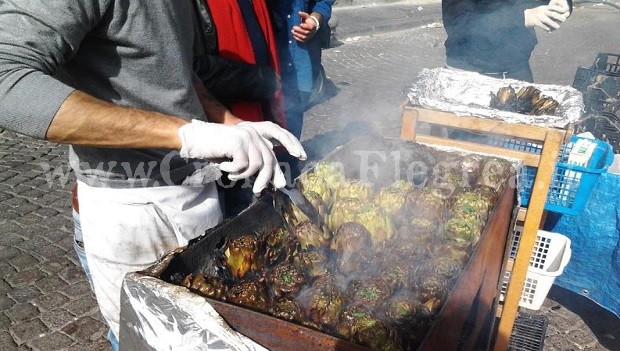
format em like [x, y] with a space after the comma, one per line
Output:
[313, 183]
[212, 287]
[286, 309]
[286, 279]
[310, 236]
[331, 172]
[250, 294]
[242, 255]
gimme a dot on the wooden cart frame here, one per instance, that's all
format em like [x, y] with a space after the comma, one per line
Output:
[532, 217]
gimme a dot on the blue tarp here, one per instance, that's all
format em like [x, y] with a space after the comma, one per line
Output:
[594, 268]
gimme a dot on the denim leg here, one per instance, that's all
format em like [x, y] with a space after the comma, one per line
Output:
[78, 246]
[113, 340]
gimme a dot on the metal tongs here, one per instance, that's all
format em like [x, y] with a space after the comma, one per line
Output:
[298, 199]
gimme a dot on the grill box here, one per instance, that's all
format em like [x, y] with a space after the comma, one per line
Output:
[154, 311]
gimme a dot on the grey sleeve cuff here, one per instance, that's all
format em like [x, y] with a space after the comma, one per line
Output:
[31, 104]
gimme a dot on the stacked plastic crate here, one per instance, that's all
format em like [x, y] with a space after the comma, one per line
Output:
[600, 85]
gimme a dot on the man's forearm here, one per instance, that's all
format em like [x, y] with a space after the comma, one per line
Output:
[214, 110]
[85, 120]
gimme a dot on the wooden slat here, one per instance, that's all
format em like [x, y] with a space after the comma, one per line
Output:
[527, 158]
[448, 119]
[533, 219]
[410, 122]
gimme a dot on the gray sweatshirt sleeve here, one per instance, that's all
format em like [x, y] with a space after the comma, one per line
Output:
[36, 37]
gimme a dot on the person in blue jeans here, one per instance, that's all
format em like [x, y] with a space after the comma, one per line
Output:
[301, 29]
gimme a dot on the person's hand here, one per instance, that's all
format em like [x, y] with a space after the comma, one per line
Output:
[546, 17]
[249, 151]
[307, 28]
[559, 6]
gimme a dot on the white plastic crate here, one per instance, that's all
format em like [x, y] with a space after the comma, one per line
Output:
[550, 255]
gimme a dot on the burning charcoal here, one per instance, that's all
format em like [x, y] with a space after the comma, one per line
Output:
[242, 255]
[279, 246]
[322, 302]
[314, 262]
[311, 182]
[360, 326]
[354, 189]
[250, 294]
[331, 172]
[286, 309]
[311, 236]
[286, 279]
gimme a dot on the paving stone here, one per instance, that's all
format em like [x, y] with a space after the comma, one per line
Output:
[9, 252]
[57, 318]
[78, 289]
[51, 341]
[5, 323]
[23, 261]
[26, 277]
[22, 312]
[85, 305]
[84, 328]
[72, 274]
[50, 251]
[4, 286]
[50, 301]
[26, 208]
[24, 294]
[54, 265]
[55, 235]
[10, 239]
[6, 302]
[99, 345]
[6, 341]
[46, 212]
[5, 268]
[26, 331]
[50, 283]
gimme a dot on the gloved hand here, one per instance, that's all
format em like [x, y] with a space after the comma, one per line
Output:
[547, 17]
[559, 6]
[248, 148]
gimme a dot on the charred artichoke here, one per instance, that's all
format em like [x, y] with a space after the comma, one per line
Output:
[286, 309]
[360, 326]
[242, 255]
[310, 236]
[376, 222]
[424, 203]
[322, 302]
[313, 183]
[279, 246]
[286, 279]
[212, 287]
[368, 292]
[505, 99]
[250, 294]
[354, 189]
[314, 262]
[331, 172]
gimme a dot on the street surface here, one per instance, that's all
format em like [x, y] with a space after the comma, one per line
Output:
[45, 301]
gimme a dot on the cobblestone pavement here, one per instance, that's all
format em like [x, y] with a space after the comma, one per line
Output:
[45, 300]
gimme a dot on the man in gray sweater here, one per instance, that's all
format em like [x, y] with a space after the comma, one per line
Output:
[114, 79]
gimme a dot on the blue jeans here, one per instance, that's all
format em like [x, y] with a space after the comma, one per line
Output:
[78, 245]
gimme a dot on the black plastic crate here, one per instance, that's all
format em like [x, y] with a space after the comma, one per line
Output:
[604, 126]
[528, 333]
[605, 65]
[607, 62]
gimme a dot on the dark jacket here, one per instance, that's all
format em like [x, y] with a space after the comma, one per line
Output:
[488, 35]
[227, 80]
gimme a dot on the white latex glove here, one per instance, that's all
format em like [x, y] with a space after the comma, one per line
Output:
[546, 17]
[560, 6]
[249, 151]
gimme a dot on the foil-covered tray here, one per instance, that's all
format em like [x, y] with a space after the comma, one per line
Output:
[467, 93]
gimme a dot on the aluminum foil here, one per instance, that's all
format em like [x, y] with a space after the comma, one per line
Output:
[467, 93]
[158, 316]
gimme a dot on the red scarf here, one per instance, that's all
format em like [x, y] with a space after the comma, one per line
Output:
[234, 44]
